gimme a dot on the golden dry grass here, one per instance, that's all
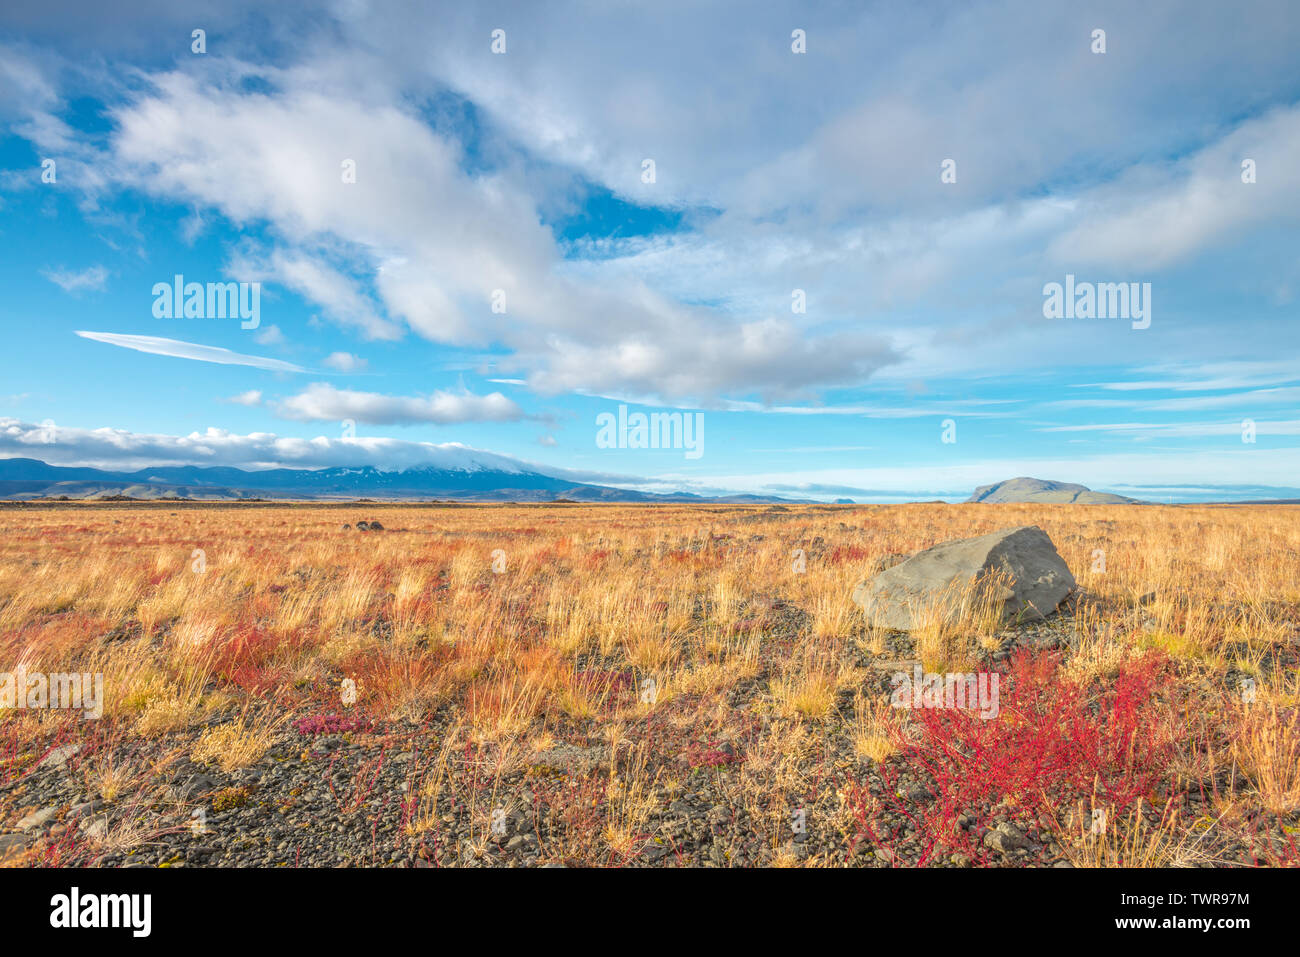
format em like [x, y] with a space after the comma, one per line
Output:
[613, 616]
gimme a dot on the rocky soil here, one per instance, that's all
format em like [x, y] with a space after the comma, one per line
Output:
[339, 790]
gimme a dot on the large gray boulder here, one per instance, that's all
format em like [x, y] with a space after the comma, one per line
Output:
[1017, 568]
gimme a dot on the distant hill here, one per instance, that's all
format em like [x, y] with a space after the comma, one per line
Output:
[460, 475]
[1043, 490]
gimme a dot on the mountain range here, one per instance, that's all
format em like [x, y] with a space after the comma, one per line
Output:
[471, 476]
[455, 473]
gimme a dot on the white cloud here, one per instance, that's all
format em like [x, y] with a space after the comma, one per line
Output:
[270, 336]
[250, 398]
[1253, 398]
[74, 281]
[156, 345]
[344, 362]
[277, 158]
[323, 402]
[124, 450]
[770, 356]
[339, 296]
[822, 171]
[1165, 430]
[1159, 214]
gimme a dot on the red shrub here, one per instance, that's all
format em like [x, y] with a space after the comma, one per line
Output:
[1051, 744]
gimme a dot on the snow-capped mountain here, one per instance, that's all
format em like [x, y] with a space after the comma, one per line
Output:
[456, 472]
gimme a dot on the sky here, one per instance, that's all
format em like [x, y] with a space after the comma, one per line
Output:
[827, 233]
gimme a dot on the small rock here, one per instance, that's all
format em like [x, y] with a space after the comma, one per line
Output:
[59, 756]
[655, 852]
[81, 810]
[571, 758]
[1006, 838]
[10, 843]
[196, 784]
[37, 819]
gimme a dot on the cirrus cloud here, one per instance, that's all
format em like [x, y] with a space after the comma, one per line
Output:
[179, 349]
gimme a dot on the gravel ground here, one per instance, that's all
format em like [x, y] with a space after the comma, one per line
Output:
[336, 792]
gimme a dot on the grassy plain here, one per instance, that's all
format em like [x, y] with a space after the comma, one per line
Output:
[640, 685]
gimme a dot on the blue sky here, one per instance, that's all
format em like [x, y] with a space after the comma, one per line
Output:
[522, 174]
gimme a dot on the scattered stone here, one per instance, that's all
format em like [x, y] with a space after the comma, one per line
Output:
[1006, 838]
[37, 819]
[81, 810]
[571, 759]
[655, 852]
[895, 664]
[12, 843]
[59, 756]
[363, 526]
